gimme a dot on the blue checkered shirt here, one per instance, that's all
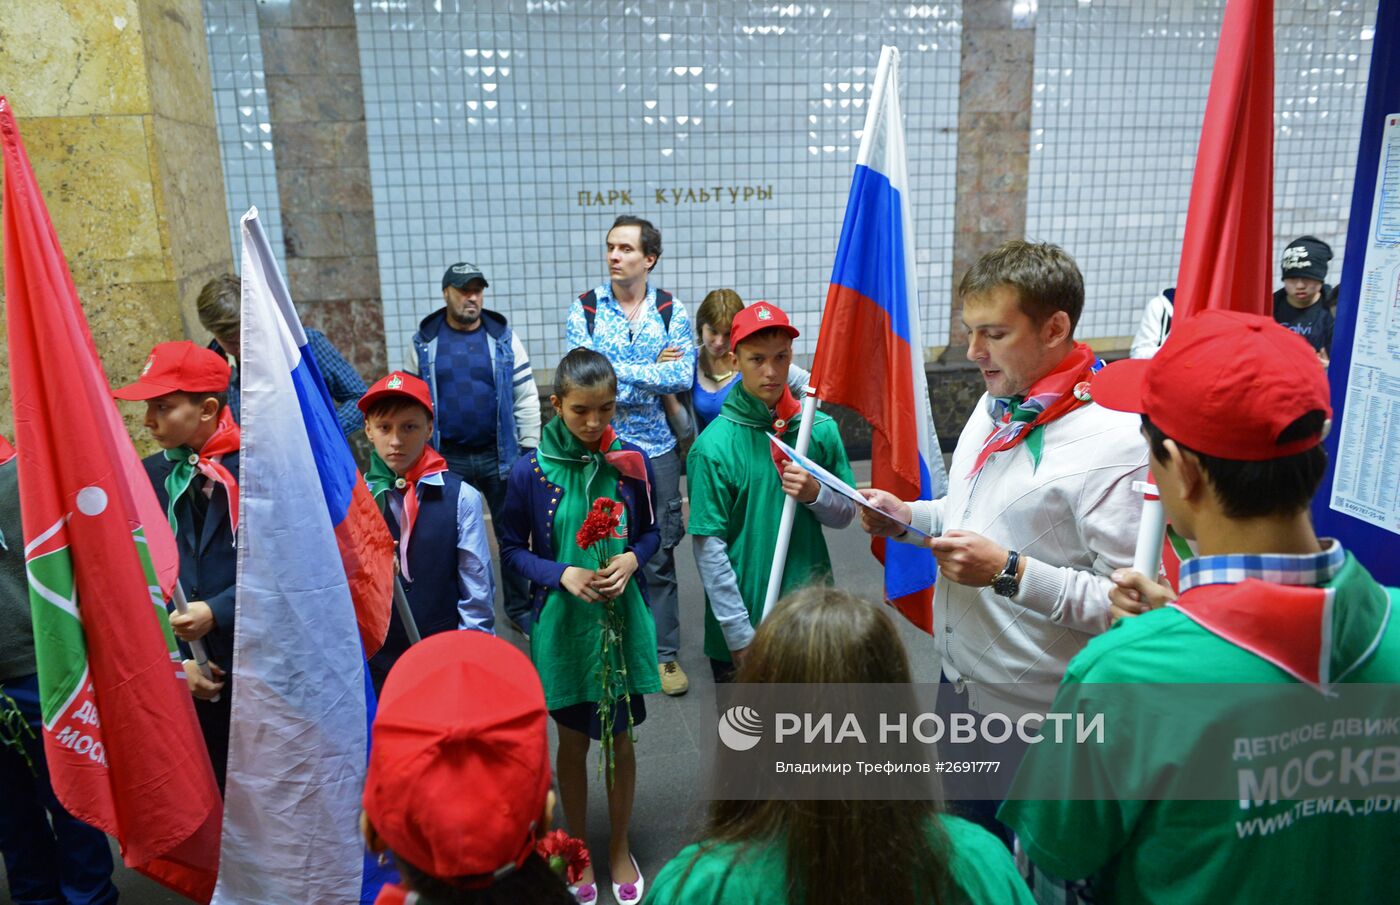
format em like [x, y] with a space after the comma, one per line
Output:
[344, 382]
[1308, 569]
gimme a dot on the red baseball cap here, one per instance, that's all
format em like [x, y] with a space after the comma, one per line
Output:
[1225, 384]
[459, 764]
[177, 367]
[397, 383]
[759, 316]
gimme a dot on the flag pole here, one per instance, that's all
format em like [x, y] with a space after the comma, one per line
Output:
[804, 437]
[401, 604]
[1152, 530]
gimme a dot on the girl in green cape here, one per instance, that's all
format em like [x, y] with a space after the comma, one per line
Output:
[594, 641]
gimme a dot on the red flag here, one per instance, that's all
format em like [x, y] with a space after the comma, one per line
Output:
[124, 749]
[1225, 254]
[1226, 251]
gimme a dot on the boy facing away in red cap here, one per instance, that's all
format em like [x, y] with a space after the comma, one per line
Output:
[737, 487]
[444, 562]
[195, 476]
[458, 782]
[1234, 409]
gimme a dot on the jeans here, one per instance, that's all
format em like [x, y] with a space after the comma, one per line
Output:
[482, 471]
[661, 570]
[69, 862]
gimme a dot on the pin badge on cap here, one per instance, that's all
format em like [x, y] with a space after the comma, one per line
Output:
[764, 314]
[147, 368]
[394, 382]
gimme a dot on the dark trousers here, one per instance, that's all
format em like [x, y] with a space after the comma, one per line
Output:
[66, 862]
[482, 471]
[972, 795]
[660, 572]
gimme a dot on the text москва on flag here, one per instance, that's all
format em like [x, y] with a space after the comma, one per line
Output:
[123, 748]
[302, 706]
[870, 354]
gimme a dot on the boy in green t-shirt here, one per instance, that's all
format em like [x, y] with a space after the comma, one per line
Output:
[737, 483]
[1234, 409]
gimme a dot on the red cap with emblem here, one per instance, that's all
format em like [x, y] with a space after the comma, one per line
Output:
[459, 761]
[397, 383]
[178, 367]
[1225, 384]
[759, 316]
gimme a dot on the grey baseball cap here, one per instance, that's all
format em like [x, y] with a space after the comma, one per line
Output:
[461, 274]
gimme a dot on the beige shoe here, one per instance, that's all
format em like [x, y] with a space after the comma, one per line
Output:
[673, 679]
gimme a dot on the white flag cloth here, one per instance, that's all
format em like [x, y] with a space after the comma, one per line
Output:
[299, 735]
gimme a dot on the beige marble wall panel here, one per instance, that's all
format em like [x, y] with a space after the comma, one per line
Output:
[95, 175]
[72, 58]
[116, 111]
[177, 61]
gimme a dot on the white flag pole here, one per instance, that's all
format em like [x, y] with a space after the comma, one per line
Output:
[804, 437]
[1152, 530]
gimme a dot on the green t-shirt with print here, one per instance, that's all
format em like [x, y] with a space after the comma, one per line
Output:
[736, 495]
[723, 875]
[1140, 843]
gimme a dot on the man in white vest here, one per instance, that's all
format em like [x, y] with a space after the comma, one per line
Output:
[1040, 506]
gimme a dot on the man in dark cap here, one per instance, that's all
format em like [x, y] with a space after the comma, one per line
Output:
[485, 401]
[1303, 304]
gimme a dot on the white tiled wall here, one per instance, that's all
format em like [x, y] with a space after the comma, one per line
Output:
[487, 120]
[240, 106]
[1120, 91]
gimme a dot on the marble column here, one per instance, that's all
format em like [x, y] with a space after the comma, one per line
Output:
[114, 105]
[994, 123]
[311, 61]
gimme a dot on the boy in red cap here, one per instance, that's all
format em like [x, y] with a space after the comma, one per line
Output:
[185, 389]
[444, 562]
[737, 483]
[458, 780]
[1234, 409]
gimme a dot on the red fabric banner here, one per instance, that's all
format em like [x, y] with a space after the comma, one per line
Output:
[124, 749]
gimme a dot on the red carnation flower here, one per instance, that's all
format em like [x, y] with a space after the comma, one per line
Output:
[566, 856]
[601, 523]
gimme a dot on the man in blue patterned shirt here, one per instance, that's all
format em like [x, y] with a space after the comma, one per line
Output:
[218, 308]
[633, 323]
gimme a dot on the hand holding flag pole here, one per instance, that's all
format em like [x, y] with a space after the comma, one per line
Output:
[201, 657]
[804, 437]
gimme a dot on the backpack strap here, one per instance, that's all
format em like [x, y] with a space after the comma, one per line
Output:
[664, 308]
[590, 309]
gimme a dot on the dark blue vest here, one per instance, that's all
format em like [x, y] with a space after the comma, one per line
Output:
[432, 561]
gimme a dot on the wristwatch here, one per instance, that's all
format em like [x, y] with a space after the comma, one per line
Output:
[1006, 584]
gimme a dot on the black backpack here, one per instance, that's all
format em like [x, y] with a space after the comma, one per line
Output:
[590, 308]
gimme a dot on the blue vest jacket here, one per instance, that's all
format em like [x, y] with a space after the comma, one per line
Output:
[432, 561]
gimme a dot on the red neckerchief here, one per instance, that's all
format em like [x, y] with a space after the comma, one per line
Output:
[7, 452]
[1290, 632]
[225, 440]
[784, 411]
[629, 462]
[1052, 396]
[429, 463]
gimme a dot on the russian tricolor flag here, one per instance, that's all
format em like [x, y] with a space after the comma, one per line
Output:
[314, 579]
[870, 350]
